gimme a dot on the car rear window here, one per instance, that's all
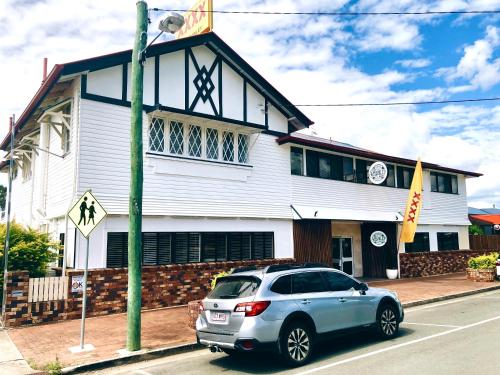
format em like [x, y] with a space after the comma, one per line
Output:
[235, 287]
[283, 285]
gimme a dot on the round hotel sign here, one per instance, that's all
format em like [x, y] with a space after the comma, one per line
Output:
[377, 172]
[378, 238]
[496, 226]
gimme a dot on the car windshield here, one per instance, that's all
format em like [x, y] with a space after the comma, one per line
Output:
[235, 287]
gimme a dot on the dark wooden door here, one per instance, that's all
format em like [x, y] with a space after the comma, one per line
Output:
[312, 241]
[377, 259]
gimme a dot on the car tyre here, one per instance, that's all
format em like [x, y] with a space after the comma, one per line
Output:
[296, 344]
[387, 322]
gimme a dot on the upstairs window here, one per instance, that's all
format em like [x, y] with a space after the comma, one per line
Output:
[444, 183]
[27, 168]
[196, 141]
[297, 161]
[404, 176]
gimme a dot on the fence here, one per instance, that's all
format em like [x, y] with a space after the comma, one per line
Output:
[484, 242]
[48, 289]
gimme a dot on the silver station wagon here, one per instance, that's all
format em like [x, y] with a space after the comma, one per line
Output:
[289, 308]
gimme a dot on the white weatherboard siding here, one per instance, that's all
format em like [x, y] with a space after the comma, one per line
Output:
[438, 208]
[283, 240]
[104, 168]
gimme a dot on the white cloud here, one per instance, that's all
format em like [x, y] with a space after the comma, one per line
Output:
[414, 63]
[478, 64]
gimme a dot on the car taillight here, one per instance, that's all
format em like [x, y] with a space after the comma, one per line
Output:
[252, 308]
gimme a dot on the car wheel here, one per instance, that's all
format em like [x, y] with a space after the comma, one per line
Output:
[387, 322]
[296, 344]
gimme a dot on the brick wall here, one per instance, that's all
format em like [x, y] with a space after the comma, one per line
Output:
[435, 262]
[162, 286]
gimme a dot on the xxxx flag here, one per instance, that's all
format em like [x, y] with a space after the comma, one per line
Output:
[413, 206]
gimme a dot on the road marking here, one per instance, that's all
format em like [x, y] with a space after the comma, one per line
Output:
[433, 305]
[352, 359]
[432, 325]
[142, 372]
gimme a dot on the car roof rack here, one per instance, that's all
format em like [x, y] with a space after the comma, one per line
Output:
[244, 269]
[293, 266]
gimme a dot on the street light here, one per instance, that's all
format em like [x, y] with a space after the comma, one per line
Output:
[171, 24]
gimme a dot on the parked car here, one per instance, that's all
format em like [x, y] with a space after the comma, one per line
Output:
[289, 308]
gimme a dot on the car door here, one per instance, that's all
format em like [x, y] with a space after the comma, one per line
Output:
[310, 292]
[357, 307]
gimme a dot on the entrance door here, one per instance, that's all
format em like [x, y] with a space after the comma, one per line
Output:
[342, 254]
[377, 258]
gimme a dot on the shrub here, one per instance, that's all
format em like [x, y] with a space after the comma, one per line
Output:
[483, 262]
[30, 250]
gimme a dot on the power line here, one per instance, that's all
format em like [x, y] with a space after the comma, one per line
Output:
[422, 13]
[398, 103]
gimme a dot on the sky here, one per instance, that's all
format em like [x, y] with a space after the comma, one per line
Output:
[312, 60]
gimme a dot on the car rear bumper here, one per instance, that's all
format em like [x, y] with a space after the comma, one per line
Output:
[242, 344]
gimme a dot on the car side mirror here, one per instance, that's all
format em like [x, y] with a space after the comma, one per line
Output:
[363, 287]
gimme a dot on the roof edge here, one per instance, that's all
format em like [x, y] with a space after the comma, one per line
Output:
[369, 154]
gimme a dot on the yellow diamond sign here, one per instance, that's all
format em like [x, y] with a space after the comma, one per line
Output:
[87, 213]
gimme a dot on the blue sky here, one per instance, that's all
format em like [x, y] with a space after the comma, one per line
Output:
[313, 60]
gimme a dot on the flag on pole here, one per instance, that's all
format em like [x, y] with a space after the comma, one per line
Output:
[413, 206]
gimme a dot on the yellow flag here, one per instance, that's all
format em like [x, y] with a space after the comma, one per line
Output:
[413, 206]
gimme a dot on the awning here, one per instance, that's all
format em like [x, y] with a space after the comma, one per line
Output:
[310, 212]
[488, 219]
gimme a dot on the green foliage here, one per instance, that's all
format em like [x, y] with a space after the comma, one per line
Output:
[53, 368]
[476, 229]
[483, 262]
[29, 251]
[214, 280]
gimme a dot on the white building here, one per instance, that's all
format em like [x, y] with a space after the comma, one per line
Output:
[225, 176]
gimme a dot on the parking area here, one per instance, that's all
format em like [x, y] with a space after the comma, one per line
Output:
[458, 336]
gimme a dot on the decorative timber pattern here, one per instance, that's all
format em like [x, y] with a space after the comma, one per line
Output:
[312, 241]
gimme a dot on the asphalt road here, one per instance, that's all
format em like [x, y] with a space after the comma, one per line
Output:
[459, 336]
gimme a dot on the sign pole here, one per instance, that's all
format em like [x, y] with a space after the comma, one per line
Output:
[84, 301]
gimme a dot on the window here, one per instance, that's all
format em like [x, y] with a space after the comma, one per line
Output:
[228, 146]
[312, 163]
[190, 247]
[391, 176]
[235, 287]
[447, 241]
[420, 243]
[194, 141]
[404, 177]
[325, 166]
[27, 168]
[212, 144]
[348, 168]
[176, 138]
[337, 281]
[283, 285]
[307, 282]
[297, 161]
[157, 135]
[65, 139]
[444, 183]
[243, 148]
[361, 171]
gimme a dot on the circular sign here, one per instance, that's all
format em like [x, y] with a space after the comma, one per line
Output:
[496, 226]
[377, 172]
[378, 238]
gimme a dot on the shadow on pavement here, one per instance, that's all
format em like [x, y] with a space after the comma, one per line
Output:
[268, 363]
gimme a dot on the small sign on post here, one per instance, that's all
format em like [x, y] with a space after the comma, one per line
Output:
[87, 213]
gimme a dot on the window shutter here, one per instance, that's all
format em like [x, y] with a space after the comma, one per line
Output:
[221, 246]
[246, 246]
[234, 246]
[150, 248]
[164, 248]
[258, 246]
[268, 245]
[194, 248]
[209, 247]
[181, 247]
[117, 250]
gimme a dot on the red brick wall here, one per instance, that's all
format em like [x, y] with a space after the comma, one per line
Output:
[435, 262]
[162, 286]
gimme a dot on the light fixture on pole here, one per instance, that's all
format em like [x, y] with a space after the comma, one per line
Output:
[170, 24]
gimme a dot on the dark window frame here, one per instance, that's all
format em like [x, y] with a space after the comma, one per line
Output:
[448, 244]
[448, 185]
[421, 243]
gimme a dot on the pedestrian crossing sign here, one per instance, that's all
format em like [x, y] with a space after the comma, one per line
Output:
[87, 213]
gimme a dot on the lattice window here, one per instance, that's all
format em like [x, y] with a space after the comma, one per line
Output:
[194, 144]
[212, 143]
[157, 135]
[228, 146]
[176, 138]
[243, 148]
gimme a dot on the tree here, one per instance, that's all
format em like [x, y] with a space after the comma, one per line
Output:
[3, 193]
[475, 229]
[30, 250]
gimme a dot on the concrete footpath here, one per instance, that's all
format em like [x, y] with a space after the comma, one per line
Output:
[165, 331]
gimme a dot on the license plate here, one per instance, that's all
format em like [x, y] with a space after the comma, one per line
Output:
[219, 317]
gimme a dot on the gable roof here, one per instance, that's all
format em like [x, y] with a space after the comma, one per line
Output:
[211, 40]
[330, 145]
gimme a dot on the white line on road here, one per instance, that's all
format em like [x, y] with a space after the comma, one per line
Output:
[352, 359]
[142, 372]
[432, 325]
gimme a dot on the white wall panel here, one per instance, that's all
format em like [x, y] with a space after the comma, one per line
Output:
[148, 81]
[171, 80]
[106, 82]
[232, 93]
[255, 106]
[277, 122]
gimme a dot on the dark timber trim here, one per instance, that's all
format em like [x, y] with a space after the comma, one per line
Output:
[83, 88]
[168, 156]
[157, 79]
[186, 78]
[244, 99]
[219, 71]
[124, 81]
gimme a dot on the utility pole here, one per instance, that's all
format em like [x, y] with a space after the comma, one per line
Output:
[136, 182]
[7, 232]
